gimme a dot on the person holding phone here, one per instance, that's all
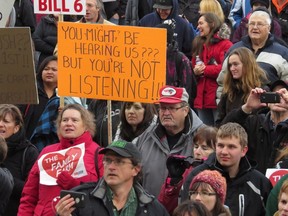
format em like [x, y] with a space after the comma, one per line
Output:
[267, 132]
[119, 191]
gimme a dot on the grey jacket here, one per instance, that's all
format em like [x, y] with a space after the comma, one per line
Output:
[155, 150]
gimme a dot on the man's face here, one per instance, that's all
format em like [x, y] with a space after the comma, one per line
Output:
[92, 11]
[172, 116]
[118, 171]
[229, 152]
[163, 13]
[258, 28]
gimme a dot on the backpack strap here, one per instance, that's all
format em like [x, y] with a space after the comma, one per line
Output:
[24, 159]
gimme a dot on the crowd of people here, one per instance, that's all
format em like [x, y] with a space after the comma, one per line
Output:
[202, 149]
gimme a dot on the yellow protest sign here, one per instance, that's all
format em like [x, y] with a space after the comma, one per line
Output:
[111, 62]
[17, 71]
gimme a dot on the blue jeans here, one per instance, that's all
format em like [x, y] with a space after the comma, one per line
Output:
[208, 116]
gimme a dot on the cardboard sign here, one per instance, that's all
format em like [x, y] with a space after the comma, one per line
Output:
[69, 160]
[5, 10]
[76, 7]
[274, 175]
[17, 71]
[111, 62]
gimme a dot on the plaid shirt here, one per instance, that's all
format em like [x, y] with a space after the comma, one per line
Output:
[130, 206]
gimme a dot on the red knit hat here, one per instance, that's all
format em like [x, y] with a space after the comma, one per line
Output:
[215, 180]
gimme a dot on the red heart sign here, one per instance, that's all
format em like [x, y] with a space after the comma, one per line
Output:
[55, 163]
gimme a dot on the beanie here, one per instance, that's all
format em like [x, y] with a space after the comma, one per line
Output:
[215, 180]
[262, 2]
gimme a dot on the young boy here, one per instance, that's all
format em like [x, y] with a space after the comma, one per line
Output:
[247, 188]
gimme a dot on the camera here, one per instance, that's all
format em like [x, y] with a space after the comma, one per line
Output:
[79, 197]
[270, 97]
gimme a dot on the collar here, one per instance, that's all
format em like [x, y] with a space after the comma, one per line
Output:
[101, 190]
[84, 138]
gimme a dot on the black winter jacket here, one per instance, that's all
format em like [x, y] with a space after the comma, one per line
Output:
[6, 188]
[97, 202]
[247, 193]
[19, 166]
[45, 37]
[263, 139]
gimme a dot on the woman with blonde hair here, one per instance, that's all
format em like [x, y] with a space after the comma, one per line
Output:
[244, 74]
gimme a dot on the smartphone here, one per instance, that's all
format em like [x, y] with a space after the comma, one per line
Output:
[270, 97]
[79, 197]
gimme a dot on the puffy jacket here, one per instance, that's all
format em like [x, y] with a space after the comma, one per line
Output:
[184, 32]
[155, 149]
[45, 37]
[37, 199]
[247, 193]
[97, 202]
[206, 84]
[272, 58]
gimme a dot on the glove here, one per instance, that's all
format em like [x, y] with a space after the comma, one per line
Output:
[66, 181]
[176, 166]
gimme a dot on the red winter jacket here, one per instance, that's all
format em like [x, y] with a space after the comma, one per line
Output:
[206, 84]
[37, 199]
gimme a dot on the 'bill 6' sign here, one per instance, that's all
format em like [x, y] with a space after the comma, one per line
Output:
[60, 6]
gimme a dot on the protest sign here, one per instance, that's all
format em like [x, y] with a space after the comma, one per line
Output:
[275, 174]
[17, 71]
[70, 160]
[70, 7]
[111, 62]
[5, 9]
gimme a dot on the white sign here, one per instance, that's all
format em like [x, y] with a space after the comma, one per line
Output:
[5, 9]
[275, 174]
[70, 160]
[75, 7]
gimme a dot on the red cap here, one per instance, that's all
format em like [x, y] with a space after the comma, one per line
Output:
[172, 94]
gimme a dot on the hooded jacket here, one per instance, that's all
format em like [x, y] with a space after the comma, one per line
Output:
[184, 32]
[19, 164]
[154, 147]
[247, 193]
[37, 199]
[148, 205]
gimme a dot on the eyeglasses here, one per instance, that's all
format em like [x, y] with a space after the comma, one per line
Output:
[117, 161]
[202, 194]
[170, 109]
[257, 25]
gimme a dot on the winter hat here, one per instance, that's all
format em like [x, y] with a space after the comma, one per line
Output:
[163, 4]
[262, 2]
[214, 179]
[173, 95]
[170, 31]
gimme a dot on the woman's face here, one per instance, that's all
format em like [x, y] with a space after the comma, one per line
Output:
[235, 66]
[134, 114]
[203, 26]
[71, 125]
[50, 73]
[206, 196]
[202, 150]
[283, 205]
[8, 126]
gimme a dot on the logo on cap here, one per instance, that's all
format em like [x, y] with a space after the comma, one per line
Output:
[168, 91]
[119, 144]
